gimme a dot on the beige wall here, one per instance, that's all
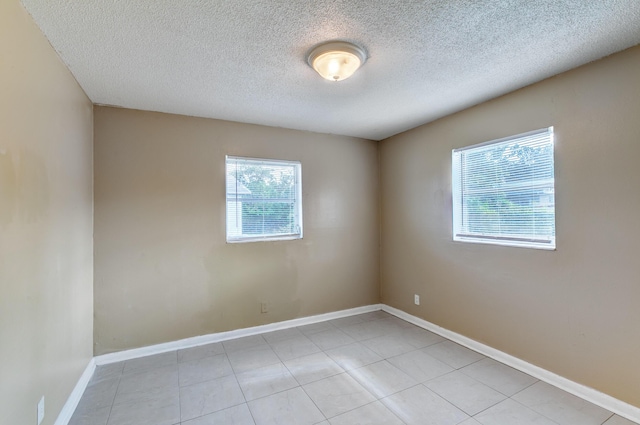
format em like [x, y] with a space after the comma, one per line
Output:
[574, 311]
[46, 308]
[163, 270]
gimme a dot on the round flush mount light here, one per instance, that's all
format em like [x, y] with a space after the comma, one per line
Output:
[337, 60]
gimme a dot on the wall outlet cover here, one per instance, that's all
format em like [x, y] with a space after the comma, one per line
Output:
[416, 299]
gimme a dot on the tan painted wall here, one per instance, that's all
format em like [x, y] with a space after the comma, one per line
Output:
[163, 270]
[46, 220]
[574, 311]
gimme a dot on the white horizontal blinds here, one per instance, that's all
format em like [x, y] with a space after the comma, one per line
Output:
[262, 198]
[504, 190]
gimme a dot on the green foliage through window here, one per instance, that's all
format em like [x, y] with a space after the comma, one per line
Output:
[503, 191]
[263, 199]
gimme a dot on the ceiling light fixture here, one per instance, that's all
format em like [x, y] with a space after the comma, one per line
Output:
[337, 60]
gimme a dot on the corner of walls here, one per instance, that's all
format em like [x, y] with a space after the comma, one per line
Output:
[163, 269]
[46, 221]
[589, 394]
[564, 310]
[379, 207]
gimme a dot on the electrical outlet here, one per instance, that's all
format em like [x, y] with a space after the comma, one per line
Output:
[416, 299]
[264, 307]
[41, 410]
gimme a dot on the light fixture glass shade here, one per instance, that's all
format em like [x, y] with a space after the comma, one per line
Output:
[336, 61]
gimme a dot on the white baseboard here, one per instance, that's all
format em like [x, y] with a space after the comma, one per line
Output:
[224, 336]
[596, 397]
[589, 394]
[74, 398]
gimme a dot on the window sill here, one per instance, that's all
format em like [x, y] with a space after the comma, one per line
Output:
[265, 238]
[518, 244]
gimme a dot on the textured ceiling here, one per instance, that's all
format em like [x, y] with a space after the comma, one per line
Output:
[246, 60]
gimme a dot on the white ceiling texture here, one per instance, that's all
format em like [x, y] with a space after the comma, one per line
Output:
[246, 60]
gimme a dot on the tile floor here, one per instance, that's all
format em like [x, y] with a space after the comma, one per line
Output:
[368, 369]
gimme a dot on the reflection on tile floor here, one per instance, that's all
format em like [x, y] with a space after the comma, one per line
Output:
[369, 369]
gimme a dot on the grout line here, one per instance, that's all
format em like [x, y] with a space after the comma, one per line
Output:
[612, 415]
[179, 389]
[230, 335]
[533, 410]
[253, 418]
[581, 391]
[313, 401]
[113, 402]
[461, 342]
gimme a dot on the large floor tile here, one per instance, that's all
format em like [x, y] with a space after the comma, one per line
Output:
[195, 353]
[560, 406]
[393, 325]
[498, 376]
[155, 361]
[313, 328]
[330, 338]
[237, 415]
[312, 368]
[265, 381]
[420, 406]
[389, 345]
[99, 394]
[204, 369]
[353, 356]
[366, 330]
[338, 394]
[295, 347]
[291, 407]
[161, 377]
[318, 374]
[145, 395]
[421, 338]
[244, 343]
[209, 397]
[420, 366]
[158, 411]
[455, 355]
[371, 414]
[399, 323]
[470, 421]
[108, 371]
[510, 412]
[347, 321]
[464, 392]
[252, 358]
[281, 335]
[618, 420]
[97, 416]
[382, 379]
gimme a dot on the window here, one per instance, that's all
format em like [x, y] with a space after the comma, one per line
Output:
[503, 191]
[263, 199]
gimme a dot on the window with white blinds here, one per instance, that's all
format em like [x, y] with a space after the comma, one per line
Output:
[264, 199]
[503, 191]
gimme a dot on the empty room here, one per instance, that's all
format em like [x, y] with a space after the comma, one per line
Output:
[319, 213]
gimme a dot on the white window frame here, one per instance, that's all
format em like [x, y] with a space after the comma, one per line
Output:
[297, 167]
[523, 240]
